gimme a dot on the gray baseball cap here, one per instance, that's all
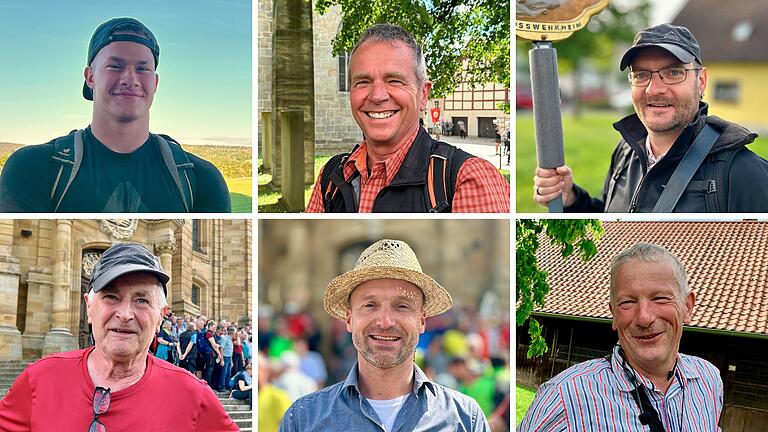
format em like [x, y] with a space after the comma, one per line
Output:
[120, 29]
[677, 40]
[123, 258]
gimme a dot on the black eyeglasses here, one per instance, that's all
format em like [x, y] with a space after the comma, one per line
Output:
[101, 400]
[670, 75]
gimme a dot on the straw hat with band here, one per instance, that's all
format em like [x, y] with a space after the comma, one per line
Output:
[385, 259]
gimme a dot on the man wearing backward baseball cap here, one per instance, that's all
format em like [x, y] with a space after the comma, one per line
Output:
[673, 156]
[114, 165]
[385, 301]
[115, 385]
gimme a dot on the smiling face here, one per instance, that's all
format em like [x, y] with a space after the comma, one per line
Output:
[649, 313]
[386, 317]
[123, 79]
[666, 108]
[386, 96]
[126, 314]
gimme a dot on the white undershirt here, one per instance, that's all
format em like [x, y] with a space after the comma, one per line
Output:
[387, 410]
[651, 158]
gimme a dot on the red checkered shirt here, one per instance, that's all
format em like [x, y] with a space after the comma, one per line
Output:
[479, 186]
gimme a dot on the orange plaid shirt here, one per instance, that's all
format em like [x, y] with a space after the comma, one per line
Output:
[479, 186]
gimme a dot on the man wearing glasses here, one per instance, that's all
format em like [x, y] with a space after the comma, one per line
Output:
[670, 144]
[115, 385]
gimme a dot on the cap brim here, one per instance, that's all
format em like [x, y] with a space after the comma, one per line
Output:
[437, 299]
[87, 92]
[113, 273]
[677, 51]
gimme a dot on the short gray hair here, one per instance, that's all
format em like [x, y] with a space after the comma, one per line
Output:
[391, 32]
[653, 253]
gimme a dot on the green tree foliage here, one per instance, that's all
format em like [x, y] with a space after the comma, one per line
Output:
[616, 25]
[475, 33]
[570, 236]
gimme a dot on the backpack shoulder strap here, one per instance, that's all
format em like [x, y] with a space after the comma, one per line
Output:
[444, 164]
[717, 171]
[686, 169]
[68, 153]
[327, 187]
[621, 161]
[179, 166]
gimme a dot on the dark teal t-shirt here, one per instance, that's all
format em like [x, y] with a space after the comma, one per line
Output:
[107, 182]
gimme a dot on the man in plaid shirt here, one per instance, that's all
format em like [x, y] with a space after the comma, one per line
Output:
[392, 169]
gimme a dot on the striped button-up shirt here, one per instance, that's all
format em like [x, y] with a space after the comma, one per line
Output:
[597, 396]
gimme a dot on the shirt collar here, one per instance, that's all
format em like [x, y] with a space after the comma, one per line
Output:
[683, 367]
[652, 160]
[420, 380]
[358, 160]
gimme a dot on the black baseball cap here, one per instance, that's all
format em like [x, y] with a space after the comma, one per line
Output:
[678, 40]
[123, 258]
[120, 29]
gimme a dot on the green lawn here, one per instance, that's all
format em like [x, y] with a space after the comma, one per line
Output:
[240, 191]
[268, 196]
[523, 399]
[588, 142]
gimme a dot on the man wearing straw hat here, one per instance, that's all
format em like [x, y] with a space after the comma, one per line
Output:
[385, 301]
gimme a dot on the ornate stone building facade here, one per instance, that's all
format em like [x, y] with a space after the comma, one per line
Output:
[298, 258]
[45, 266]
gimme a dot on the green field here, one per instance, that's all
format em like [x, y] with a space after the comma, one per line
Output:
[589, 142]
[523, 399]
[233, 162]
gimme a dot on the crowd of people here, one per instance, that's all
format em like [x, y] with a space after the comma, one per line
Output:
[217, 352]
[459, 349]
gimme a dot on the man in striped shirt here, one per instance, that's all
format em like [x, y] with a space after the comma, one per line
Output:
[644, 382]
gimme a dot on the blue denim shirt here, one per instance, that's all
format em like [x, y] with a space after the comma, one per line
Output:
[341, 408]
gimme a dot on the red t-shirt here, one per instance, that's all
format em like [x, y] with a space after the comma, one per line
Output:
[56, 394]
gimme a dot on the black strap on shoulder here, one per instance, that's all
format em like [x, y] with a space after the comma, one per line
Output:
[327, 187]
[444, 164]
[180, 168]
[686, 169]
[68, 153]
[648, 414]
[624, 157]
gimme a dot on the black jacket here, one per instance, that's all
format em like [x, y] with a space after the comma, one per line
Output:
[407, 193]
[631, 187]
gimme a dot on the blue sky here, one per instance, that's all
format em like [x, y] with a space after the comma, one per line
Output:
[204, 94]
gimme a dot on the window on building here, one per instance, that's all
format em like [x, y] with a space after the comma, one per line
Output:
[727, 91]
[344, 72]
[197, 236]
[195, 295]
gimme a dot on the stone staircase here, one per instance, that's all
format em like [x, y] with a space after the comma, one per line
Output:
[239, 410]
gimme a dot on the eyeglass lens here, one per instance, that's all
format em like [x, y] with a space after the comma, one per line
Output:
[101, 399]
